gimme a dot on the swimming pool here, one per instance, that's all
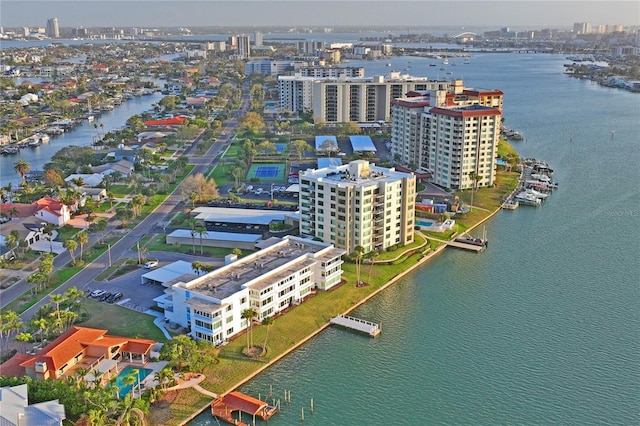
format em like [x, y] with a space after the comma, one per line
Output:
[423, 223]
[124, 389]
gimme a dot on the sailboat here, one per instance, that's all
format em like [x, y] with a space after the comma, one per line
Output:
[90, 116]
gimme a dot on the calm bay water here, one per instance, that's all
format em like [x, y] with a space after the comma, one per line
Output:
[81, 135]
[544, 326]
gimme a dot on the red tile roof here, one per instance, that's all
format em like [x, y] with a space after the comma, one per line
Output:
[175, 121]
[24, 210]
[75, 341]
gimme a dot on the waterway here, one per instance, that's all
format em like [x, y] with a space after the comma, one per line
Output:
[541, 328]
[82, 135]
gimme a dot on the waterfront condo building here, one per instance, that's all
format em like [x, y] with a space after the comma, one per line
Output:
[282, 274]
[363, 100]
[449, 134]
[357, 204]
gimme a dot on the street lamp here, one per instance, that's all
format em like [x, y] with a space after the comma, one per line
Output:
[271, 193]
[109, 253]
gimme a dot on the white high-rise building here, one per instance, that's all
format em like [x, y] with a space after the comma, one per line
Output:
[257, 36]
[53, 30]
[449, 134]
[358, 204]
[364, 100]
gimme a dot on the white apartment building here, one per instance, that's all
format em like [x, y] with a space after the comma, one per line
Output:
[274, 67]
[280, 275]
[295, 92]
[358, 204]
[426, 137]
[363, 100]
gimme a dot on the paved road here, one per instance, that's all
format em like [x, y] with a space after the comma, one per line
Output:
[148, 225]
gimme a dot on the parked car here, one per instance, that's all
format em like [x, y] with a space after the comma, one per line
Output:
[114, 297]
[151, 264]
[104, 296]
[96, 293]
[259, 191]
[249, 187]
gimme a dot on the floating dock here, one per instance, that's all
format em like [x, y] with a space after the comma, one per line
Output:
[371, 328]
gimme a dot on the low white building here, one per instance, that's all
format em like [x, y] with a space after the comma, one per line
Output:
[280, 275]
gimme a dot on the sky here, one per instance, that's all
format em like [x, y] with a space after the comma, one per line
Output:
[523, 14]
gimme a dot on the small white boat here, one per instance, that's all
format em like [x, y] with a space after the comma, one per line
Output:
[541, 177]
[537, 194]
[90, 118]
[528, 199]
[510, 204]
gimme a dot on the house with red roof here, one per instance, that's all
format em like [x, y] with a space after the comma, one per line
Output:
[84, 348]
[52, 211]
[174, 121]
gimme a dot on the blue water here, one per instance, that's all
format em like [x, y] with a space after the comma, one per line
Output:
[541, 328]
[125, 389]
[81, 135]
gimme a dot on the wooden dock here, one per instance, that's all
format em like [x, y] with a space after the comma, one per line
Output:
[465, 246]
[371, 328]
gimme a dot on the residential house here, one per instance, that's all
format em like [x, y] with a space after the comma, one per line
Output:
[16, 411]
[52, 211]
[89, 349]
[91, 180]
[124, 167]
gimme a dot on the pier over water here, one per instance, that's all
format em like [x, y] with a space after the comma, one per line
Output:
[371, 328]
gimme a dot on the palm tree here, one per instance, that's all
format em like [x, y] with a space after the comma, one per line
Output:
[83, 238]
[48, 231]
[37, 279]
[197, 267]
[57, 299]
[71, 245]
[357, 254]
[192, 227]
[201, 231]
[372, 256]
[475, 177]
[12, 240]
[237, 251]
[165, 377]
[249, 314]
[267, 321]
[22, 168]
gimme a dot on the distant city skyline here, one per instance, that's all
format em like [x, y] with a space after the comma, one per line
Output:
[300, 13]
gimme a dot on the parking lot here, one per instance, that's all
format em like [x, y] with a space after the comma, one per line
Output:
[135, 295]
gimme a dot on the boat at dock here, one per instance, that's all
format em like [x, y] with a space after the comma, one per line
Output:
[474, 241]
[527, 199]
[510, 204]
[10, 150]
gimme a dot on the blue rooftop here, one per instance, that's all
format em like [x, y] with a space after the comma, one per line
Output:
[362, 143]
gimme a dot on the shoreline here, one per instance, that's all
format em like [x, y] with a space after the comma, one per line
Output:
[388, 284]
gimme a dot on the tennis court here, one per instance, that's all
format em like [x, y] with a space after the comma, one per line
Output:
[266, 171]
[272, 172]
[281, 147]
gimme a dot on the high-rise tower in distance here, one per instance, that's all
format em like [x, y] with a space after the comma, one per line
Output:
[53, 30]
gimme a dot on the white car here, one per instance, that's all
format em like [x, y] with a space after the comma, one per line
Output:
[259, 191]
[96, 293]
[151, 264]
[249, 188]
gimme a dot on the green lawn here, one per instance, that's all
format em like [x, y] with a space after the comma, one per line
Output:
[158, 244]
[66, 232]
[121, 321]
[120, 191]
